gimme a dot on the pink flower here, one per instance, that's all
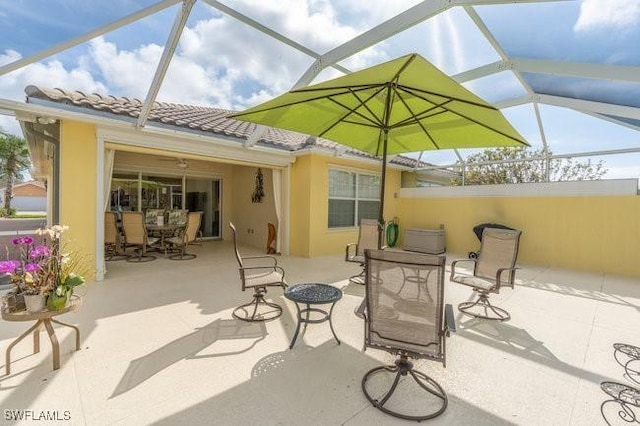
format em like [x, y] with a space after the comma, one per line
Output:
[9, 266]
[38, 251]
[22, 240]
[31, 267]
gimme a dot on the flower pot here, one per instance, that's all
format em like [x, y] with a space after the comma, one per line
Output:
[55, 302]
[34, 303]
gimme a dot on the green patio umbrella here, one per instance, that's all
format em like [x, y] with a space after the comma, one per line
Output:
[404, 105]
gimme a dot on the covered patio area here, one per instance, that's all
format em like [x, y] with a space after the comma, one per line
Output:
[159, 346]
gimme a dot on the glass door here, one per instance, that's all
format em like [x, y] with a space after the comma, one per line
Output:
[205, 195]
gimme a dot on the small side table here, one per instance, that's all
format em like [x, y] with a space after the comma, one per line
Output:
[313, 294]
[42, 318]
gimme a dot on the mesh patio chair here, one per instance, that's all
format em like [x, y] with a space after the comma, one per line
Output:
[409, 326]
[258, 273]
[185, 236]
[112, 239]
[135, 235]
[493, 269]
[367, 239]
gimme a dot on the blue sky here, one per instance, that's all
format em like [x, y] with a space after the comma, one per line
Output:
[222, 62]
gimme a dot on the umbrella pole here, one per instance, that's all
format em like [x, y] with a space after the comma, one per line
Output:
[382, 183]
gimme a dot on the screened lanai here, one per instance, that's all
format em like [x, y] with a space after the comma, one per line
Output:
[565, 73]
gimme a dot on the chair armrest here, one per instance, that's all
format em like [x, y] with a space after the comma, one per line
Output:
[275, 261]
[455, 262]
[347, 251]
[449, 320]
[499, 276]
[361, 311]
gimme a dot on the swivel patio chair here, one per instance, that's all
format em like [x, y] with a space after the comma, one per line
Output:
[185, 236]
[112, 239]
[409, 327]
[271, 239]
[258, 273]
[492, 269]
[367, 239]
[135, 235]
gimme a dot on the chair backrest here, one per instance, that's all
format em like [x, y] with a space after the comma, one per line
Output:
[235, 243]
[193, 224]
[110, 228]
[133, 228]
[177, 217]
[151, 216]
[367, 236]
[271, 238]
[498, 249]
[405, 302]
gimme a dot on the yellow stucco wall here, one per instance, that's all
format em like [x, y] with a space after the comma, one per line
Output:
[310, 235]
[599, 234]
[78, 189]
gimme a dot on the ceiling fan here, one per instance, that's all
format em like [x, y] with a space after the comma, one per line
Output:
[180, 162]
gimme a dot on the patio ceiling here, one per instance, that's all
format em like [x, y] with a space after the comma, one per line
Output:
[512, 69]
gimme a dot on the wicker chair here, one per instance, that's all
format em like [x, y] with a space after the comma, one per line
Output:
[493, 269]
[186, 235]
[398, 322]
[258, 273]
[135, 235]
[112, 240]
[367, 239]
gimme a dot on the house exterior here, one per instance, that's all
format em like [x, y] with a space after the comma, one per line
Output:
[93, 155]
[28, 196]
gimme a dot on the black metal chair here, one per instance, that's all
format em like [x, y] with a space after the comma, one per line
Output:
[494, 268]
[258, 273]
[397, 321]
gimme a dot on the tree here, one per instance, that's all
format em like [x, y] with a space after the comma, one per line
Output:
[521, 165]
[14, 160]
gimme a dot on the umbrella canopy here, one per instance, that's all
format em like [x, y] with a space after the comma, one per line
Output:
[404, 105]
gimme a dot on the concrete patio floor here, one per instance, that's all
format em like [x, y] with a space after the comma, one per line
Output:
[159, 346]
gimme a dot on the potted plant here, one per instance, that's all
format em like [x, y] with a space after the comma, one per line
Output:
[43, 273]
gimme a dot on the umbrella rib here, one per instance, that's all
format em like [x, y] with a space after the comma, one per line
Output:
[351, 111]
[413, 90]
[415, 117]
[474, 120]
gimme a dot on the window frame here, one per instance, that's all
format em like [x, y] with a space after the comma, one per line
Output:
[356, 198]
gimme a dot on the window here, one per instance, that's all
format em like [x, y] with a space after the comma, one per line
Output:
[352, 196]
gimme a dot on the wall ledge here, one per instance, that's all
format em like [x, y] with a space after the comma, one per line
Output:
[605, 187]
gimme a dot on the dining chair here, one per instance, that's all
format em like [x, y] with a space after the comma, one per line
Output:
[112, 239]
[186, 235]
[135, 235]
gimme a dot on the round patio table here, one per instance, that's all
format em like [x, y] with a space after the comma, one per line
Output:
[43, 318]
[313, 294]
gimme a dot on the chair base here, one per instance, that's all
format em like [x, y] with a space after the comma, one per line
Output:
[487, 310]
[141, 257]
[115, 257]
[182, 256]
[258, 309]
[358, 279]
[403, 367]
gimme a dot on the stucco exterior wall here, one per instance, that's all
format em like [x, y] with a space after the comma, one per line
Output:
[310, 235]
[589, 233]
[78, 146]
[251, 219]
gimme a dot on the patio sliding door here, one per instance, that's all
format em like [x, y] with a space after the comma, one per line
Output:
[205, 195]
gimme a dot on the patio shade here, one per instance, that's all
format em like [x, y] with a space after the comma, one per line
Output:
[404, 105]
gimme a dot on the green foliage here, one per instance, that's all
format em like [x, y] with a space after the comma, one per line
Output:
[14, 161]
[11, 212]
[565, 169]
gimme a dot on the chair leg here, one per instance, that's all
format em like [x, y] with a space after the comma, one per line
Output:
[268, 312]
[403, 368]
[487, 310]
[141, 257]
[358, 279]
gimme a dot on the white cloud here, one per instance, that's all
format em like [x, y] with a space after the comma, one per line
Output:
[609, 14]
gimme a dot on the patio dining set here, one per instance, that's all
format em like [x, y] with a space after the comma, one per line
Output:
[168, 232]
[403, 308]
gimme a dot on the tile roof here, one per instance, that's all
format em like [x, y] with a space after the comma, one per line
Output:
[196, 118]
